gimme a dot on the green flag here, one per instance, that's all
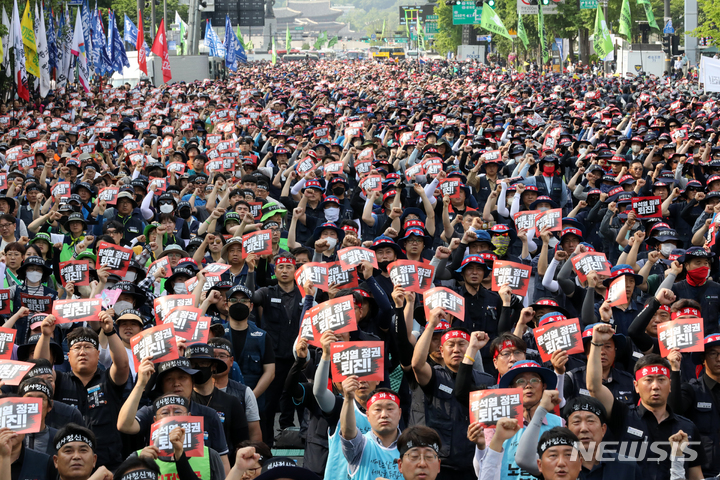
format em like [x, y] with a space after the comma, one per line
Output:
[522, 35]
[273, 56]
[240, 38]
[421, 35]
[332, 41]
[601, 35]
[183, 29]
[625, 20]
[649, 14]
[492, 23]
[382, 34]
[541, 34]
[322, 38]
[287, 38]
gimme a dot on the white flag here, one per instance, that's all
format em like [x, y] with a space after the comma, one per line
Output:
[710, 74]
[78, 49]
[16, 44]
[42, 49]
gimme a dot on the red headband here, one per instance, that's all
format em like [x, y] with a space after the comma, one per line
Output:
[665, 308]
[349, 228]
[505, 344]
[454, 334]
[686, 312]
[652, 370]
[382, 396]
[288, 260]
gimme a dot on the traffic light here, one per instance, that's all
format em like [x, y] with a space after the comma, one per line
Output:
[479, 3]
[667, 42]
[490, 3]
[675, 40]
[545, 2]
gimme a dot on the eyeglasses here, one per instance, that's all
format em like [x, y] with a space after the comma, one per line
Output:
[415, 457]
[222, 356]
[512, 353]
[415, 240]
[233, 301]
[5, 225]
[521, 382]
[712, 355]
[80, 347]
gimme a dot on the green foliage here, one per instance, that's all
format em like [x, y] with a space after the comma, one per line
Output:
[449, 35]
[708, 20]
[305, 46]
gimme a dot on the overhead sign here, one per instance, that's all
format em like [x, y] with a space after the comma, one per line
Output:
[466, 13]
[587, 5]
[412, 12]
[530, 7]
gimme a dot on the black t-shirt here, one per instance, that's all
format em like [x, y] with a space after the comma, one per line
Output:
[231, 414]
[238, 340]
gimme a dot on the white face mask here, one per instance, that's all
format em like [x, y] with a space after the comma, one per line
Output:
[544, 209]
[332, 214]
[331, 242]
[582, 151]
[34, 277]
[130, 276]
[166, 208]
[122, 306]
[666, 249]
[179, 288]
[635, 148]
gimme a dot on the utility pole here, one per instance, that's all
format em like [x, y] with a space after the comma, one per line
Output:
[668, 55]
[165, 13]
[153, 26]
[192, 27]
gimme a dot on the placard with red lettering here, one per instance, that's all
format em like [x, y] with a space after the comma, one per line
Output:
[685, 334]
[7, 340]
[352, 256]
[75, 271]
[412, 276]
[587, 262]
[365, 360]
[158, 343]
[551, 219]
[616, 293]
[12, 371]
[82, 310]
[561, 335]
[450, 187]
[259, 243]
[371, 183]
[185, 320]
[163, 305]
[5, 300]
[193, 443]
[117, 258]
[525, 220]
[516, 275]
[647, 207]
[340, 277]
[163, 262]
[109, 194]
[337, 314]
[21, 414]
[36, 303]
[489, 406]
[316, 273]
[451, 302]
[61, 189]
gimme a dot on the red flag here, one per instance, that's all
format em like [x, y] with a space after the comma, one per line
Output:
[142, 60]
[160, 49]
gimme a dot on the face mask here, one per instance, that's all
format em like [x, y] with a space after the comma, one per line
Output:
[332, 214]
[635, 148]
[338, 191]
[184, 213]
[582, 151]
[382, 266]
[332, 242]
[130, 276]
[548, 170]
[501, 244]
[239, 311]
[697, 276]
[179, 288]
[166, 208]
[34, 277]
[204, 375]
[605, 188]
[666, 249]
[122, 306]
[543, 209]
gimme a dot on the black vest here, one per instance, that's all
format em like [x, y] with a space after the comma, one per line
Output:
[34, 466]
[275, 321]
[705, 414]
[556, 188]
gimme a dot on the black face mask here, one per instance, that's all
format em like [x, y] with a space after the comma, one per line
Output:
[338, 191]
[382, 266]
[205, 374]
[239, 311]
[184, 213]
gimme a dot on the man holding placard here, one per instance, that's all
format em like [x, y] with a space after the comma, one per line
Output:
[96, 393]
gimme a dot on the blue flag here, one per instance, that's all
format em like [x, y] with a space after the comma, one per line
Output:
[130, 34]
[117, 48]
[212, 41]
[52, 46]
[102, 65]
[87, 23]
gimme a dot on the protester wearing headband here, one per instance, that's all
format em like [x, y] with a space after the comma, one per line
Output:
[374, 453]
[650, 421]
[61, 413]
[209, 465]
[137, 468]
[96, 393]
[438, 384]
[41, 441]
[419, 448]
[76, 456]
[19, 462]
